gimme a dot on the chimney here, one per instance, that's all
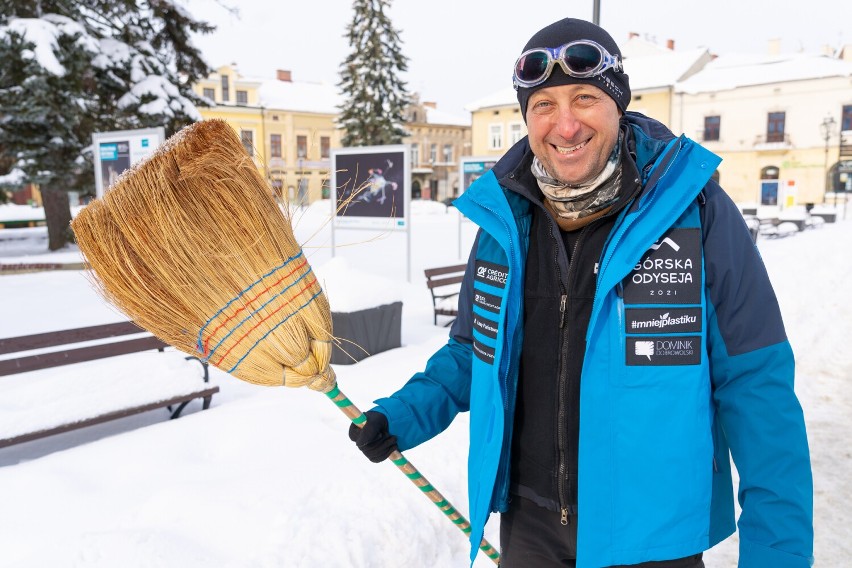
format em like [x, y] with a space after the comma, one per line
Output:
[430, 104]
[631, 35]
[284, 75]
[670, 44]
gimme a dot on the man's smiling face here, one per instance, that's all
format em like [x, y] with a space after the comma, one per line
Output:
[572, 130]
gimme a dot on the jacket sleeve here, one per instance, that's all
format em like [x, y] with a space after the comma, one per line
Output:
[752, 370]
[427, 404]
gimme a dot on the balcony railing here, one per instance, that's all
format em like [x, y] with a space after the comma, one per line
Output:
[780, 141]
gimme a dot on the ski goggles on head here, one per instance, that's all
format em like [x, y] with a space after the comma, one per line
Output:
[581, 59]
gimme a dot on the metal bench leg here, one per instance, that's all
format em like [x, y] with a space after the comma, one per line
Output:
[178, 410]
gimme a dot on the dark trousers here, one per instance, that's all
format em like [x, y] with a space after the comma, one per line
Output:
[534, 537]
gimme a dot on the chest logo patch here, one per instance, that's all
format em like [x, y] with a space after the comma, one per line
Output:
[667, 319]
[491, 274]
[669, 272]
[658, 351]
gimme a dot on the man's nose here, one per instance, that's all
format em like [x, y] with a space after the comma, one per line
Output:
[567, 124]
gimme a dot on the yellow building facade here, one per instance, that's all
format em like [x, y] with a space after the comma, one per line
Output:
[764, 117]
[437, 140]
[288, 127]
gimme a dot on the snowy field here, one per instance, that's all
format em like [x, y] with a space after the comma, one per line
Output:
[268, 478]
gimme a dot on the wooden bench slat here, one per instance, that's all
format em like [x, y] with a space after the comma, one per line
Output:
[429, 272]
[206, 394]
[56, 338]
[438, 282]
[79, 355]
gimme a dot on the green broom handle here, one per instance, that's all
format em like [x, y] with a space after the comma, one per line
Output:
[406, 467]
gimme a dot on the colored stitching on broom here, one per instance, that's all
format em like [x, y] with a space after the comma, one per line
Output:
[311, 299]
[269, 315]
[238, 296]
[248, 317]
[248, 302]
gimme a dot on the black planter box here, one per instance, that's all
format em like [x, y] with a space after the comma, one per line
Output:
[828, 217]
[366, 332]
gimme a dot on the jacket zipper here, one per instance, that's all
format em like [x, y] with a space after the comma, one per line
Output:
[563, 404]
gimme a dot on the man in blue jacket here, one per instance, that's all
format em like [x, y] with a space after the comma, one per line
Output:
[617, 341]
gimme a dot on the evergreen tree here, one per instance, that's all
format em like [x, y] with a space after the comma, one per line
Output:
[69, 68]
[376, 96]
[44, 105]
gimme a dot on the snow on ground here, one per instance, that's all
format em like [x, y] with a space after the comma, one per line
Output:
[268, 478]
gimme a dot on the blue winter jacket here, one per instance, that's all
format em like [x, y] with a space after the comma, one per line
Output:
[687, 363]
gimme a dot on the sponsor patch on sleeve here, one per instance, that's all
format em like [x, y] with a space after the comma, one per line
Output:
[483, 352]
[665, 319]
[664, 351]
[485, 326]
[669, 272]
[491, 274]
[486, 301]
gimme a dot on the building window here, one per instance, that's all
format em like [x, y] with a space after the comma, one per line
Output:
[433, 153]
[226, 92]
[247, 138]
[415, 154]
[210, 94]
[775, 127]
[846, 118]
[495, 137]
[769, 172]
[242, 98]
[516, 132]
[711, 127]
[301, 147]
[448, 153]
[275, 145]
[325, 147]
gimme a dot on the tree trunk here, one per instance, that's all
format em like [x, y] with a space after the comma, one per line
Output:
[57, 214]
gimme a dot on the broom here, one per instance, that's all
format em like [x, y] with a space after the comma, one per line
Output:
[192, 246]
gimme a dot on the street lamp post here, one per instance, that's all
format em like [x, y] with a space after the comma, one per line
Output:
[827, 127]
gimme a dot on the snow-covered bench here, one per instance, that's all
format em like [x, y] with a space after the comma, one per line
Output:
[70, 379]
[444, 284]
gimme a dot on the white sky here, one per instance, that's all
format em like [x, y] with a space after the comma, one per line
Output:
[462, 51]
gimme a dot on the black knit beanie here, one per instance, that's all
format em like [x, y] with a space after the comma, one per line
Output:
[616, 85]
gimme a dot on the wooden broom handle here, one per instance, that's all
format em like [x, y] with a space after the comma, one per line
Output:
[406, 467]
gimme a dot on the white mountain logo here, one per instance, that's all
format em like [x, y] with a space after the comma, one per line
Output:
[667, 241]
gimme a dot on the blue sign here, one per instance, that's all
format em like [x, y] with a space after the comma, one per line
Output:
[109, 152]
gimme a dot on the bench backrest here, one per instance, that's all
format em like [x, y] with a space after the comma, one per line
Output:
[456, 272]
[60, 356]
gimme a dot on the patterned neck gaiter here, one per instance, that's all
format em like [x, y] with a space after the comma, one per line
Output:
[571, 202]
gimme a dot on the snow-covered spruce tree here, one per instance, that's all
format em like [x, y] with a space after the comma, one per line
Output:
[45, 112]
[375, 94]
[69, 68]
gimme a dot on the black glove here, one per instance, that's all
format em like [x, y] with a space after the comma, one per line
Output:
[373, 439]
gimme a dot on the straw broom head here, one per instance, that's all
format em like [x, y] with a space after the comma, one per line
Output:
[192, 246]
